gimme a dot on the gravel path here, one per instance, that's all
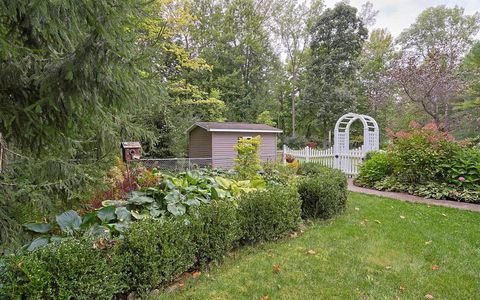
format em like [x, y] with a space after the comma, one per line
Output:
[411, 198]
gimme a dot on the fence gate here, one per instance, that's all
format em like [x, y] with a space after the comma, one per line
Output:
[340, 156]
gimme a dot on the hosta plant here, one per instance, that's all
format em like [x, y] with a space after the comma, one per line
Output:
[173, 195]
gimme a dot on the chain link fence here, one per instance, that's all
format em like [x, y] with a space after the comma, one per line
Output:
[176, 164]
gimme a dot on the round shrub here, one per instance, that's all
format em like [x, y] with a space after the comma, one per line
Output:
[71, 269]
[268, 214]
[309, 168]
[323, 195]
[215, 231]
[155, 252]
[378, 166]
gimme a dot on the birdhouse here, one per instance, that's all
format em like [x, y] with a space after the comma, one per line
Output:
[131, 151]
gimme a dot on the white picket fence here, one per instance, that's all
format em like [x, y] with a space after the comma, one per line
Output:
[348, 162]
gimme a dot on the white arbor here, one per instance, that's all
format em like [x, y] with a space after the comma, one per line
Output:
[341, 142]
[340, 156]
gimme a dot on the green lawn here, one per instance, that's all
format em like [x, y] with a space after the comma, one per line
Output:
[379, 249]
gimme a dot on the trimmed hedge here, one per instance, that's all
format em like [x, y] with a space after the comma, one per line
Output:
[156, 251]
[152, 252]
[324, 194]
[71, 269]
[215, 231]
[308, 168]
[268, 214]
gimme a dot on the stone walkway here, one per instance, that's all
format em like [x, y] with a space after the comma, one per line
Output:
[411, 198]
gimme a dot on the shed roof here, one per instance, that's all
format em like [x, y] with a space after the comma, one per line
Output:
[235, 127]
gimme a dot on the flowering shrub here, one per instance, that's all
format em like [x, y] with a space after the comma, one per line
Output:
[419, 154]
[427, 162]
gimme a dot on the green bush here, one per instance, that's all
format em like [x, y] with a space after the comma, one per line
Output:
[268, 214]
[71, 269]
[311, 169]
[463, 168]
[323, 195]
[420, 154]
[156, 251]
[377, 167]
[215, 231]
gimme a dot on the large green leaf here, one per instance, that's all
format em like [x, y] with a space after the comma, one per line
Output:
[106, 214]
[38, 242]
[218, 193]
[38, 227]
[214, 193]
[176, 209]
[192, 177]
[123, 215]
[114, 203]
[258, 183]
[223, 182]
[69, 221]
[192, 202]
[89, 219]
[173, 197]
[137, 215]
[155, 212]
[139, 198]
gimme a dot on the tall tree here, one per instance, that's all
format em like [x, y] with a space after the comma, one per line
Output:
[292, 21]
[431, 52]
[69, 71]
[471, 65]
[65, 64]
[376, 55]
[336, 43]
[231, 36]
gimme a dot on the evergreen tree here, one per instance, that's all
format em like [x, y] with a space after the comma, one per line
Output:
[336, 43]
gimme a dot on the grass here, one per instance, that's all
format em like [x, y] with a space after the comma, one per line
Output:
[379, 249]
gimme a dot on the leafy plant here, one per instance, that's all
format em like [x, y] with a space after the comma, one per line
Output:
[247, 162]
[463, 168]
[174, 195]
[378, 166]
[104, 222]
[420, 153]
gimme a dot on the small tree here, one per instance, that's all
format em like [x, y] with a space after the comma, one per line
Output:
[247, 162]
[265, 118]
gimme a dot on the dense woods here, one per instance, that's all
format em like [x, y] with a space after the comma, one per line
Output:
[78, 77]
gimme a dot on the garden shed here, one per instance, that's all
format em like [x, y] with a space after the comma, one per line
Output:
[216, 141]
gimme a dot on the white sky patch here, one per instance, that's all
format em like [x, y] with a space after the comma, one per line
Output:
[397, 15]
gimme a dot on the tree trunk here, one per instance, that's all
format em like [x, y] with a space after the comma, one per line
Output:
[293, 114]
[447, 118]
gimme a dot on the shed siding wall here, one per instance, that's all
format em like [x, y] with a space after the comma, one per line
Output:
[200, 143]
[223, 143]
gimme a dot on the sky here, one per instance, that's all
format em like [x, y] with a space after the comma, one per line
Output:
[396, 15]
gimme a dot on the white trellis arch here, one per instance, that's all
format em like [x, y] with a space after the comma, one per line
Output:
[340, 156]
[341, 141]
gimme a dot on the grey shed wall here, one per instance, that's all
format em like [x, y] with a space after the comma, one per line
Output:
[223, 143]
